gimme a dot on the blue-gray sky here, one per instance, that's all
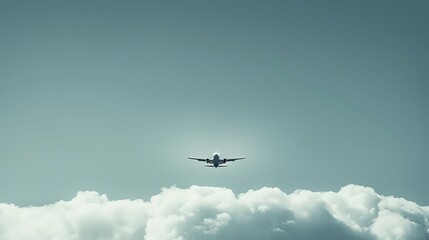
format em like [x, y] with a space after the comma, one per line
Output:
[113, 96]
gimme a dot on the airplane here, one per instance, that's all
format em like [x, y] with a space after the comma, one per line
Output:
[216, 161]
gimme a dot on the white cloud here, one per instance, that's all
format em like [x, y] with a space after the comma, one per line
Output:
[354, 212]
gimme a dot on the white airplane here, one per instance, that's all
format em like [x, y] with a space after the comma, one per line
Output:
[216, 161]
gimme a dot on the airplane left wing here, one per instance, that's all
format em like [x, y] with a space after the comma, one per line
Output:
[198, 159]
[233, 159]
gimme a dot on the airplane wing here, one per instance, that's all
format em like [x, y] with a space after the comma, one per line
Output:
[233, 159]
[198, 159]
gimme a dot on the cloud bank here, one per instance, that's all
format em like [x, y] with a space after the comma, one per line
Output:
[354, 212]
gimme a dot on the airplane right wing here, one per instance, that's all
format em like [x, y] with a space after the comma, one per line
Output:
[233, 159]
[198, 159]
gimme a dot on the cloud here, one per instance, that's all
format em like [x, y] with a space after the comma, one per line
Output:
[354, 212]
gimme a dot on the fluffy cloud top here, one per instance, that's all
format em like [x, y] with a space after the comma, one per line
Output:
[354, 212]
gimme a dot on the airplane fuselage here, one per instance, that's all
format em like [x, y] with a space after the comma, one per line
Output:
[216, 160]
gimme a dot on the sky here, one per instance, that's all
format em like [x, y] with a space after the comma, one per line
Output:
[113, 97]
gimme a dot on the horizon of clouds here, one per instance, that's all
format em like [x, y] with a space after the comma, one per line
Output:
[198, 212]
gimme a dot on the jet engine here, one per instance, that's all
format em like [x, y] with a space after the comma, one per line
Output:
[207, 160]
[224, 160]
